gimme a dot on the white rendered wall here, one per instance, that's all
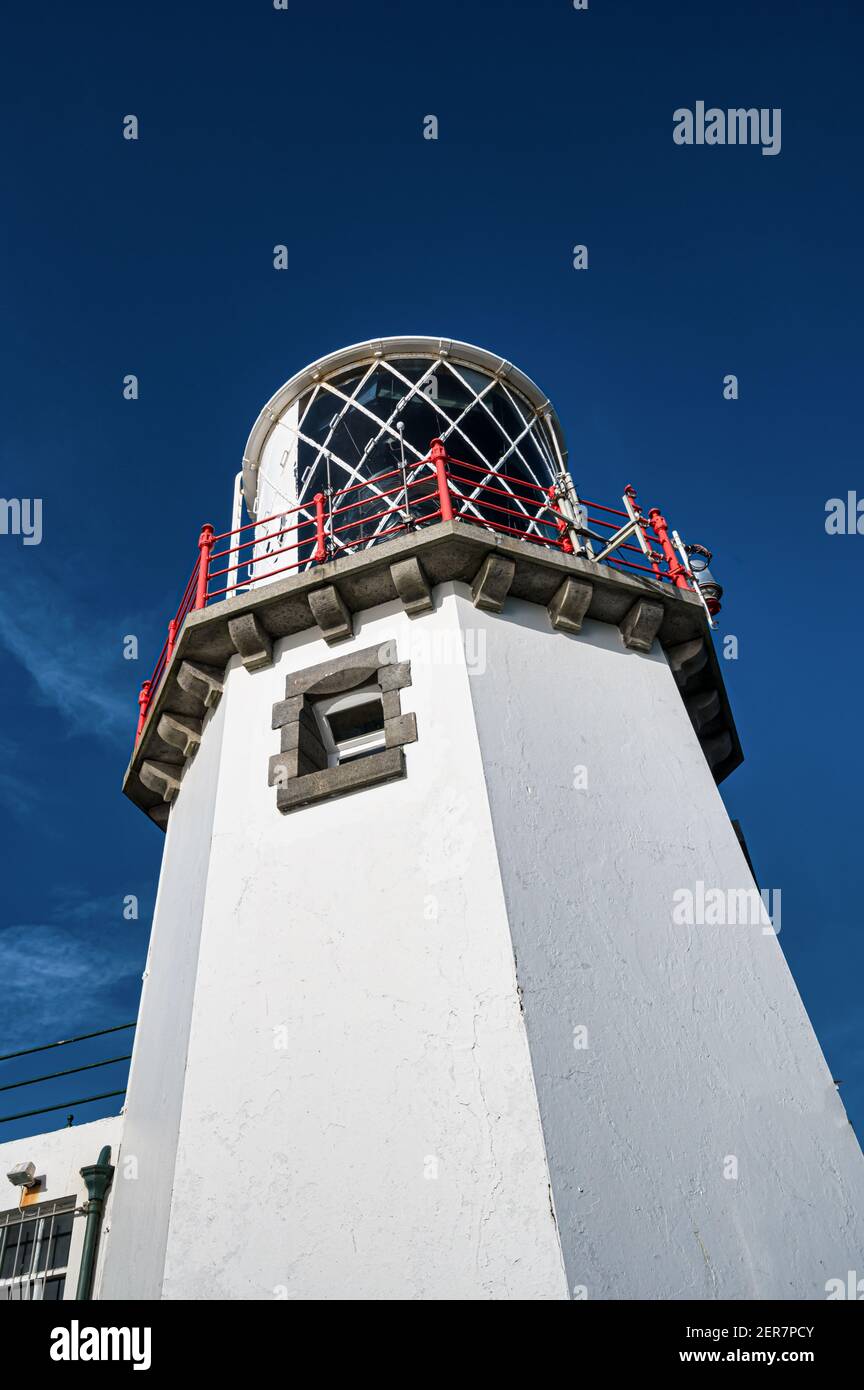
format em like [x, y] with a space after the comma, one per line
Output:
[136, 1250]
[359, 1117]
[699, 1047]
[59, 1157]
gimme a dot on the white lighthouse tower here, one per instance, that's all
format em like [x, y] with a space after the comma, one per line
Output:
[449, 995]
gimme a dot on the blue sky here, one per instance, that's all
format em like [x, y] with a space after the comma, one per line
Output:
[304, 127]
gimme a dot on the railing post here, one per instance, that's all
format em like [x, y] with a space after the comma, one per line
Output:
[143, 705]
[560, 521]
[634, 510]
[205, 545]
[438, 455]
[677, 572]
[320, 533]
[172, 638]
[573, 512]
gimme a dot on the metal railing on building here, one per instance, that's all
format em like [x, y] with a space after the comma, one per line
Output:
[408, 497]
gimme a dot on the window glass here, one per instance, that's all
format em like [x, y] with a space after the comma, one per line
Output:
[358, 720]
[24, 1256]
[364, 443]
[53, 1252]
[34, 1250]
[10, 1253]
[351, 726]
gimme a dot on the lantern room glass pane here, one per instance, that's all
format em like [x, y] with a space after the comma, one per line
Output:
[349, 440]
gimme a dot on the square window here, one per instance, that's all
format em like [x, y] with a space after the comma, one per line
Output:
[342, 728]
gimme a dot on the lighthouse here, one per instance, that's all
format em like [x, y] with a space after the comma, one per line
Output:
[435, 745]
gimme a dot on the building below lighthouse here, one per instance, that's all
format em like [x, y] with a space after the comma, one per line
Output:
[435, 745]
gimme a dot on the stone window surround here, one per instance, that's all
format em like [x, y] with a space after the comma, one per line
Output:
[299, 770]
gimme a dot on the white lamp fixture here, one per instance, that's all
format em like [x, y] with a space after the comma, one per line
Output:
[22, 1175]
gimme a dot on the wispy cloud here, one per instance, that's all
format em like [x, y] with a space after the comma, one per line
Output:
[44, 968]
[71, 653]
[18, 795]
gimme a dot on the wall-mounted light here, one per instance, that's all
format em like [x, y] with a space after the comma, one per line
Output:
[700, 559]
[22, 1175]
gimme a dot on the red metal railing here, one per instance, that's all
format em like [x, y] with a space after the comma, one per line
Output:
[402, 499]
[190, 600]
